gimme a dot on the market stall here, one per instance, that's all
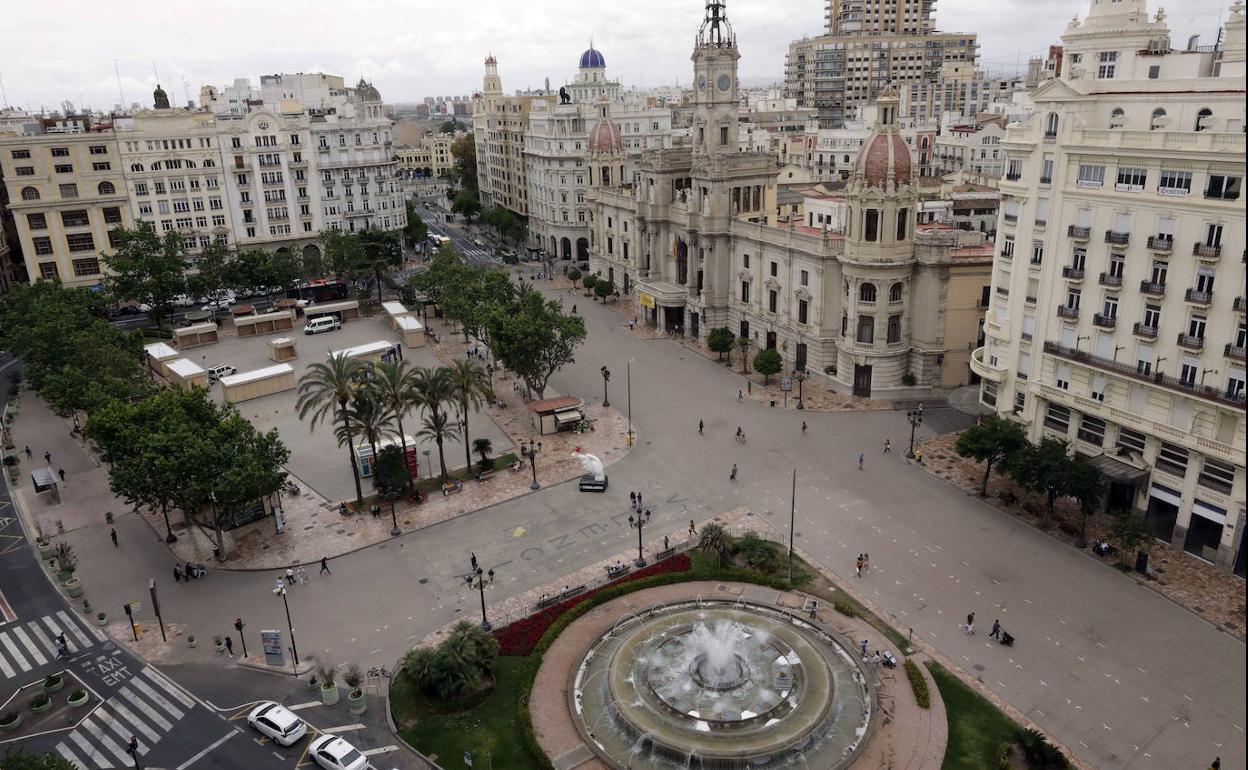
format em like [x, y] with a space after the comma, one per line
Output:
[195, 335]
[282, 349]
[186, 374]
[394, 311]
[552, 415]
[159, 354]
[412, 329]
[265, 323]
[245, 386]
[345, 310]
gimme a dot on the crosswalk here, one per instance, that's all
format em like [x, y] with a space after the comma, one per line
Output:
[146, 706]
[26, 646]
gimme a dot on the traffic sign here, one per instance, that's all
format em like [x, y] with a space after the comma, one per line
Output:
[786, 384]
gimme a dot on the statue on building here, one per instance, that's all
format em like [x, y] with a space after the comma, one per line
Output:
[564, 97]
[160, 98]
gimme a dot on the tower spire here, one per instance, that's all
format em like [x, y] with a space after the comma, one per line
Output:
[715, 30]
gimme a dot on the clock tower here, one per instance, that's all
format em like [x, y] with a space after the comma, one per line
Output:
[716, 96]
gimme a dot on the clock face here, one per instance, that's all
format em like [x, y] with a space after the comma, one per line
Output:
[702, 83]
[724, 82]
[263, 125]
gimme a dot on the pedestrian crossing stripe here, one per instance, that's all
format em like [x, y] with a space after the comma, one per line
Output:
[27, 645]
[147, 706]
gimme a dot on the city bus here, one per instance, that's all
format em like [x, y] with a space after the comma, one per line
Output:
[436, 241]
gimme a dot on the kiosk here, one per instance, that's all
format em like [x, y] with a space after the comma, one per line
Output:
[346, 310]
[245, 386]
[186, 374]
[553, 415]
[195, 335]
[282, 349]
[158, 355]
[265, 323]
[412, 329]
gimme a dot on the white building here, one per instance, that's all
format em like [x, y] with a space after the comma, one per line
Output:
[973, 147]
[1117, 312]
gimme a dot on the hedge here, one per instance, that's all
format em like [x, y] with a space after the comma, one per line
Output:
[917, 683]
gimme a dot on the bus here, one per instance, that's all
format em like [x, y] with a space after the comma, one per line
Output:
[319, 290]
[436, 241]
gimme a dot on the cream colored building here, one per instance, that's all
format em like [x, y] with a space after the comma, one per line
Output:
[1117, 315]
[429, 158]
[499, 124]
[866, 308]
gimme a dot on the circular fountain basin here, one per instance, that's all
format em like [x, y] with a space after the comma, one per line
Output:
[716, 684]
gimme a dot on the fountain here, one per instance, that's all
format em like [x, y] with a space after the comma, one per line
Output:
[719, 684]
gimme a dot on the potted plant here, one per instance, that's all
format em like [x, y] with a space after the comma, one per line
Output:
[73, 587]
[41, 703]
[101, 618]
[329, 688]
[356, 702]
[10, 721]
[66, 561]
[53, 683]
[47, 549]
[219, 645]
[77, 698]
[190, 640]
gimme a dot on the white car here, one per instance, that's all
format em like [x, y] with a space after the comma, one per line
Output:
[277, 722]
[333, 753]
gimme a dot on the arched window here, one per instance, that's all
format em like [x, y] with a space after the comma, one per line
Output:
[209, 163]
[903, 222]
[1158, 119]
[156, 166]
[30, 194]
[1050, 124]
[1117, 118]
[871, 232]
[894, 292]
[106, 188]
[1202, 118]
[866, 292]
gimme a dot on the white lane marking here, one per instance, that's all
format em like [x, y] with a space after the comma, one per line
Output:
[89, 750]
[69, 756]
[22, 636]
[307, 705]
[74, 628]
[210, 747]
[91, 727]
[152, 714]
[138, 724]
[161, 701]
[4, 664]
[343, 728]
[171, 687]
[379, 750]
[43, 639]
[117, 726]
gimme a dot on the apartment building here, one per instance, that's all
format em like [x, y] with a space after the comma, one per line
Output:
[910, 17]
[971, 147]
[498, 124]
[1117, 310]
[960, 88]
[428, 157]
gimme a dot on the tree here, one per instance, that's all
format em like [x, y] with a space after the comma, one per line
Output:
[456, 667]
[344, 254]
[603, 288]
[471, 386]
[534, 338]
[991, 440]
[1131, 532]
[438, 427]
[448, 127]
[743, 344]
[464, 153]
[574, 275]
[483, 448]
[415, 230]
[715, 539]
[1087, 486]
[1046, 468]
[759, 554]
[246, 466]
[720, 340]
[324, 388]
[392, 384]
[589, 282]
[390, 474]
[147, 268]
[369, 417]
[509, 227]
[434, 388]
[767, 363]
[20, 760]
[381, 251]
[466, 204]
[212, 271]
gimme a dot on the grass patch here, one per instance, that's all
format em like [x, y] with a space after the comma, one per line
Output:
[489, 726]
[433, 484]
[922, 695]
[976, 727]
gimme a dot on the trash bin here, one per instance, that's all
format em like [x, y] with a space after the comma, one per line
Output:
[1141, 562]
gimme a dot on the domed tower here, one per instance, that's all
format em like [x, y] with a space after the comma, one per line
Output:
[716, 98]
[367, 92]
[605, 150]
[493, 84]
[593, 66]
[878, 257]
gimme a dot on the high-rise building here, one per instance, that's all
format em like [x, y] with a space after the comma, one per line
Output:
[1116, 320]
[499, 123]
[879, 17]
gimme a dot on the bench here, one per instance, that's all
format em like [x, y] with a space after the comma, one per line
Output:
[545, 601]
[484, 476]
[451, 488]
[614, 572]
[565, 593]
[661, 555]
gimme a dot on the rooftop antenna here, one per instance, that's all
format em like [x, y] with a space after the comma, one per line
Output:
[3, 96]
[155, 73]
[120, 92]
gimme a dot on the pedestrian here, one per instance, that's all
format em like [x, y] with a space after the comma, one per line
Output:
[632, 500]
[700, 426]
[640, 505]
[860, 459]
[814, 607]
[803, 427]
[229, 645]
[692, 529]
[863, 646]
[62, 649]
[996, 630]
[61, 472]
[866, 562]
[281, 585]
[858, 566]
[325, 566]
[970, 624]
[573, 309]
[888, 447]
[113, 534]
[665, 542]
[301, 575]
[132, 748]
[47, 456]
[290, 576]
[1217, 764]
[29, 454]
[738, 395]
[733, 476]
[875, 662]
[177, 572]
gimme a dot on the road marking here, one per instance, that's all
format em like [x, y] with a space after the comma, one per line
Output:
[1189, 698]
[88, 749]
[307, 705]
[171, 687]
[74, 630]
[117, 727]
[108, 742]
[343, 728]
[379, 750]
[21, 634]
[69, 755]
[43, 639]
[147, 710]
[161, 701]
[203, 753]
[5, 668]
[1041, 713]
[1142, 671]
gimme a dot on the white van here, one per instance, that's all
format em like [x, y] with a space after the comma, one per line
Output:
[324, 323]
[220, 370]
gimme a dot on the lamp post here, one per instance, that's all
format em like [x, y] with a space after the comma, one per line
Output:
[628, 380]
[606, 377]
[915, 417]
[800, 374]
[638, 523]
[294, 648]
[478, 578]
[529, 452]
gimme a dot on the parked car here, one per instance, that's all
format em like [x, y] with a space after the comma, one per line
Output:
[220, 370]
[277, 722]
[220, 306]
[333, 753]
[323, 323]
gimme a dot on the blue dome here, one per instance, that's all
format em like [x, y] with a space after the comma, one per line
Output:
[593, 59]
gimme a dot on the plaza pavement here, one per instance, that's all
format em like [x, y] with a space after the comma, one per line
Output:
[1119, 674]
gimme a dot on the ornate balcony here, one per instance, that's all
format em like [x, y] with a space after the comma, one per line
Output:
[1142, 330]
[1238, 305]
[1079, 233]
[1230, 351]
[1116, 238]
[1132, 372]
[1104, 321]
[1205, 251]
[1072, 273]
[1110, 280]
[1153, 289]
[985, 369]
[1191, 342]
[1198, 297]
[1160, 244]
[1065, 311]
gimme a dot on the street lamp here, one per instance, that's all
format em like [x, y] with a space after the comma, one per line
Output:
[628, 379]
[606, 377]
[530, 452]
[915, 417]
[638, 523]
[294, 648]
[800, 374]
[478, 579]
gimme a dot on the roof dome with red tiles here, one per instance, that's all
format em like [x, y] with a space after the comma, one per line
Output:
[605, 137]
[885, 157]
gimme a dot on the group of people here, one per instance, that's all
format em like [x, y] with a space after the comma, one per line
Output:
[862, 565]
[635, 500]
[997, 632]
[878, 659]
[188, 572]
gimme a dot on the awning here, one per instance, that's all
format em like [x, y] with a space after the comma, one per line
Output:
[565, 416]
[1116, 470]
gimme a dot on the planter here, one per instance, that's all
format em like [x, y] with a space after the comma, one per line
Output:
[46, 551]
[53, 683]
[40, 705]
[220, 648]
[14, 721]
[190, 640]
[357, 703]
[78, 698]
[101, 620]
[73, 587]
[329, 693]
[63, 576]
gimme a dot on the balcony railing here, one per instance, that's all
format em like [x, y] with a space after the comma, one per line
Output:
[1205, 251]
[1239, 304]
[1079, 233]
[1143, 330]
[1104, 321]
[1130, 371]
[1072, 273]
[1231, 351]
[1159, 244]
[1013, 176]
[1191, 342]
[1010, 218]
[1197, 297]
[1116, 238]
[986, 369]
[1110, 280]
[1065, 311]
[1152, 288]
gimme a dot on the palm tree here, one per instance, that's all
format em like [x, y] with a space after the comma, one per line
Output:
[433, 389]
[715, 539]
[326, 389]
[368, 417]
[438, 426]
[472, 389]
[392, 384]
[483, 448]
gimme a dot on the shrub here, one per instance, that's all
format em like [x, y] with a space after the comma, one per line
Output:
[326, 673]
[1001, 760]
[762, 555]
[9, 718]
[10, 460]
[457, 666]
[40, 701]
[922, 695]
[352, 677]
[1039, 752]
[845, 608]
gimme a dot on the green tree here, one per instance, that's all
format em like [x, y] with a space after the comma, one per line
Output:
[325, 391]
[1047, 468]
[438, 427]
[990, 441]
[391, 474]
[483, 448]
[464, 153]
[247, 466]
[415, 230]
[471, 386]
[466, 204]
[757, 553]
[767, 363]
[603, 288]
[715, 539]
[534, 339]
[448, 127]
[392, 384]
[574, 275]
[212, 272]
[434, 389]
[344, 254]
[381, 251]
[720, 340]
[589, 282]
[743, 344]
[17, 759]
[368, 417]
[1087, 486]
[1131, 532]
[468, 654]
[147, 268]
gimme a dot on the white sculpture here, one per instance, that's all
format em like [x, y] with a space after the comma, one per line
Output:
[591, 465]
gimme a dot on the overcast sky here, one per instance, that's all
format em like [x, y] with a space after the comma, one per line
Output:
[66, 49]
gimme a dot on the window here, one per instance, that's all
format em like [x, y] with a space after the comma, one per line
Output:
[48, 271]
[1174, 183]
[1132, 440]
[86, 266]
[804, 278]
[1046, 172]
[1007, 247]
[1037, 253]
[1196, 326]
[80, 242]
[1158, 119]
[37, 221]
[1189, 368]
[1116, 264]
[1154, 72]
[723, 135]
[114, 240]
[1105, 67]
[1079, 259]
[771, 300]
[866, 292]
[1203, 118]
[25, 170]
[99, 149]
[871, 230]
[1117, 118]
[1152, 316]
[774, 269]
[1161, 269]
[1073, 296]
[1050, 125]
[1063, 376]
[1217, 475]
[75, 218]
[1109, 308]
[1235, 383]
[802, 311]
[20, 154]
[1172, 459]
[60, 152]
[69, 190]
[1092, 430]
[63, 168]
[43, 245]
[1099, 383]
[1223, 187]
[1090, 175]
[894, 293]
[745, 291]
[1057, 418]
[1131, 179]
[866, 329]
[903, 218]
[894, 328]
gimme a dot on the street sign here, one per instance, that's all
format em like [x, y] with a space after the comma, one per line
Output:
[134, 606]
[271, 641]
[786, 384]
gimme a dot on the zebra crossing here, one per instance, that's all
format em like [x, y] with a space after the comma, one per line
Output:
[146, 706]
[27, 646]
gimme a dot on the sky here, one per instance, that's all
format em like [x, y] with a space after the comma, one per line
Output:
[78, 50]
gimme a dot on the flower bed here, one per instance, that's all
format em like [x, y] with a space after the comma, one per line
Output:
[522, 636]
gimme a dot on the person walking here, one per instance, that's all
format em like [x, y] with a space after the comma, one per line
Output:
[996, 630]
[632, 500]
[733, 475]
[863, 646]
[803, 427]
[177, 572]
[132, 748]
[858, 566]
[112, 533]
[970, 624]
[301, 576]
[699, 427]
[640, 505]
[61, 472]
[325, 566]
[692, 529]
[866, 562]
[665, 543]
[738, 395]
[47, 457]
[860, 459]
[290, 576]
[29, 453]
[1217, 764]
[229, 645]
[888, 447]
